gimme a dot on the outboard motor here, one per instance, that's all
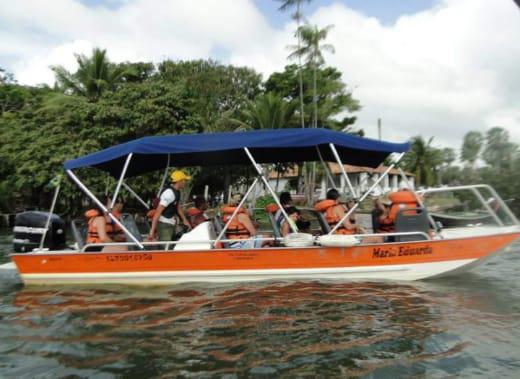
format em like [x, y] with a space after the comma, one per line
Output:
[29, 227]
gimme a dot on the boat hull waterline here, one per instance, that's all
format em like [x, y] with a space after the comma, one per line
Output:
[390, 261]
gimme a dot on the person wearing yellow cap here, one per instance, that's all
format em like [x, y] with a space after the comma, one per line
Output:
[169, 211]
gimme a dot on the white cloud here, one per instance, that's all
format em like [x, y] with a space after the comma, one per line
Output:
[439, 73]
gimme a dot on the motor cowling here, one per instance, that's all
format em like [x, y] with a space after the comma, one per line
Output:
[29, 227]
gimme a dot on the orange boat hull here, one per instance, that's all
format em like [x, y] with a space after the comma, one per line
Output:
[406, 261]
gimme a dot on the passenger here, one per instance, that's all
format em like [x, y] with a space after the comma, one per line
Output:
[241, 228]
[153, 209]
[382, 221]
[334, 212]
[102, 229]
[286, 201]
[196, 214]
[294, 214]
[390, 206]
[169, 213]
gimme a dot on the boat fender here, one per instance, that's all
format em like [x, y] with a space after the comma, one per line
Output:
[298, 240]
[340, 240]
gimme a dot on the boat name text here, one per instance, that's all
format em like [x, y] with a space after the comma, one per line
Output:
[401, 251]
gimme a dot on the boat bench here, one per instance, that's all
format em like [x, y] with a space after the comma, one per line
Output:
[412, 220]
[79, 229]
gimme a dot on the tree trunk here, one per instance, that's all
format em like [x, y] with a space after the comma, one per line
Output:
[300, 75]
[315, 99]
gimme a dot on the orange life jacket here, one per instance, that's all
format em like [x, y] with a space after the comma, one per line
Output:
[190, 212]
[111, 228]
[400, 200]
[327, 208]
[235, 230]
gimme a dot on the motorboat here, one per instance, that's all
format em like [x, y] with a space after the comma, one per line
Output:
[418, 248]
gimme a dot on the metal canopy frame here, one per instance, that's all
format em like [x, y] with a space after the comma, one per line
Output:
[356, 205]
[120, 183]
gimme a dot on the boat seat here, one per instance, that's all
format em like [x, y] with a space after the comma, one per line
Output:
[79, 231]
[317, 220]
[274, 226]
[412, 220]
[218, 225]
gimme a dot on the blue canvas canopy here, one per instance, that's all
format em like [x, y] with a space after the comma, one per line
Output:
[267, 146]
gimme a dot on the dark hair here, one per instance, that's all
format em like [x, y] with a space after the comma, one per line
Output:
[199, 201]
[285, 198]
[333, 194]
[292, 210]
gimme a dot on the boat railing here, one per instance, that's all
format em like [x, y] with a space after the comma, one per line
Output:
[167, 244]
[477, 190]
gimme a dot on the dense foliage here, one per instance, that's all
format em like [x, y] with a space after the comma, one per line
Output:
[102, 104]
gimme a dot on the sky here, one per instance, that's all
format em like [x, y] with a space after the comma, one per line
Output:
[431, 67]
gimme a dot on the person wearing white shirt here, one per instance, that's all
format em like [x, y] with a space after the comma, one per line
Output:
[169, 211]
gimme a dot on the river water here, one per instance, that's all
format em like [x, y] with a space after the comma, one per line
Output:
[467, 326]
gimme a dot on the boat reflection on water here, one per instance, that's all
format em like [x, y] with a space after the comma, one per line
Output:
[298, 328]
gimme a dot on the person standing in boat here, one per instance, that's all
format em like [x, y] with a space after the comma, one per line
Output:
[169, 213]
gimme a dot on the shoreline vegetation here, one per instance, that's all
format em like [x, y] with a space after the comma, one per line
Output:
[103, 103]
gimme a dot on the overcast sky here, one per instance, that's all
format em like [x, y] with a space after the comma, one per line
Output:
[432, 67]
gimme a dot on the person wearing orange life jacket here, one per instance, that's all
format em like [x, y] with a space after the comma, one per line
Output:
[102, 229]
[334, 212]
[196, 214]
[241, 228]
[391, 206]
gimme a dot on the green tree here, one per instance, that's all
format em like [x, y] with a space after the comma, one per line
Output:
[423, 161]
[218, 91]
[334, 98]
[268, 111]
[297, 16]
[312, 49]
[471, 147]
[499, 152]
[95, 74]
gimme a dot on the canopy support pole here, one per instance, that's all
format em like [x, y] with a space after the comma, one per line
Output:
[47, 223]
[342, 168]
[134, 194]
[420, 202]
[273, 193]
[356, 205]
[163, 180]
[326, 168]
[102, 207]
[121, 178]
[237, 209]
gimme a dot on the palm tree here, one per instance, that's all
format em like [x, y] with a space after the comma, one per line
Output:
[312, 50]
[423, 160]
[268, 111]
[297, 16]
[471, 147]
[94, 75]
